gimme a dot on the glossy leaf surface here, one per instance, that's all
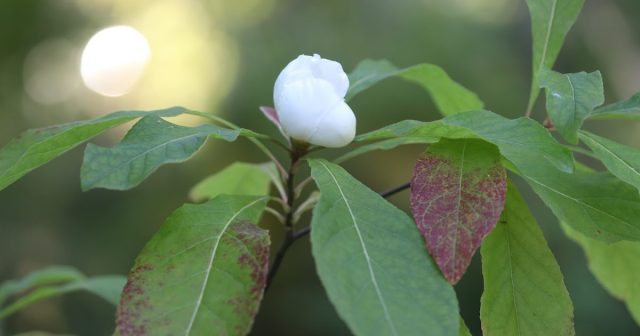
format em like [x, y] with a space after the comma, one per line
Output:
[571, 98]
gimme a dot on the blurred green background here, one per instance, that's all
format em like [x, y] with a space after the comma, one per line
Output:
[223, 56]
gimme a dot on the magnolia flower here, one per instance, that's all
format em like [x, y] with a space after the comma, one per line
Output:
[309, 99]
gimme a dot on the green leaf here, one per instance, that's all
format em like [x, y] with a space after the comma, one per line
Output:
[55, 281]
[522, 141]
[108, 287]
[626, 109]
[368, 73]
[571, 98]
[615, 266]
[524, 292]
[151, 143]
[237, 179]
[36, 147]
[449, 96]
[605, 208]
[457, 194]
[550, 23]
[384, 145]
[373, 264]
[47, 276]
[622, 161]
[464, 330]
[202, 273]
[596, 204]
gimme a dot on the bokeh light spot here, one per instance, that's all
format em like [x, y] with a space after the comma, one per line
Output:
[113, 60]
[50, 72]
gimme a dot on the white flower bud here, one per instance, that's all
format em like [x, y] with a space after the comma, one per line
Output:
[309, 98]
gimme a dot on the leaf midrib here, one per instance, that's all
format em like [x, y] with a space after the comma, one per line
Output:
[210, 265]
[578, 201]
[365, 252]
[575, 99]
[624, 162]
[458, 204]
[548, 35]
[512, 278]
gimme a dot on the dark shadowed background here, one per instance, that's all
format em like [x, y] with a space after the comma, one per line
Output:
[223, 57]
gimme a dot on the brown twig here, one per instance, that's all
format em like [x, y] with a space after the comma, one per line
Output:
[291, 236]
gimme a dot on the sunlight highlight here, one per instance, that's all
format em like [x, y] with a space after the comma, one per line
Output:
[113, 60]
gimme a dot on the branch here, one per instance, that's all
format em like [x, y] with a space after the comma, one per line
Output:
[305, 231]
[302, 232]
[277, 261]
[395, 190]
[289, 237]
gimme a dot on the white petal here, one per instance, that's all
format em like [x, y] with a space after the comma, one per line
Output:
[332, 72]
[301, 105]
[337, 128]
[313, 66]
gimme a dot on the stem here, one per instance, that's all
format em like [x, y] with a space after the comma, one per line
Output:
[213, 118]
[275, 214]
[296, 154]
[533, 96]
[277, 261]
[291, 236]
[395, 190]
[301, 185]
[278, 143]
[307, 205]
[270, 155]
[529, 111]
[255, 141]
[302, 232]
[280, 201]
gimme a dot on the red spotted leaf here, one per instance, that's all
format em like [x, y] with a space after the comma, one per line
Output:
[203, 273]
[457, 195]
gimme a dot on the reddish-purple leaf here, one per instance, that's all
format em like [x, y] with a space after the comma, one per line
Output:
[457, 194]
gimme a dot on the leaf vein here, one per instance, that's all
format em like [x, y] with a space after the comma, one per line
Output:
[366, 253]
